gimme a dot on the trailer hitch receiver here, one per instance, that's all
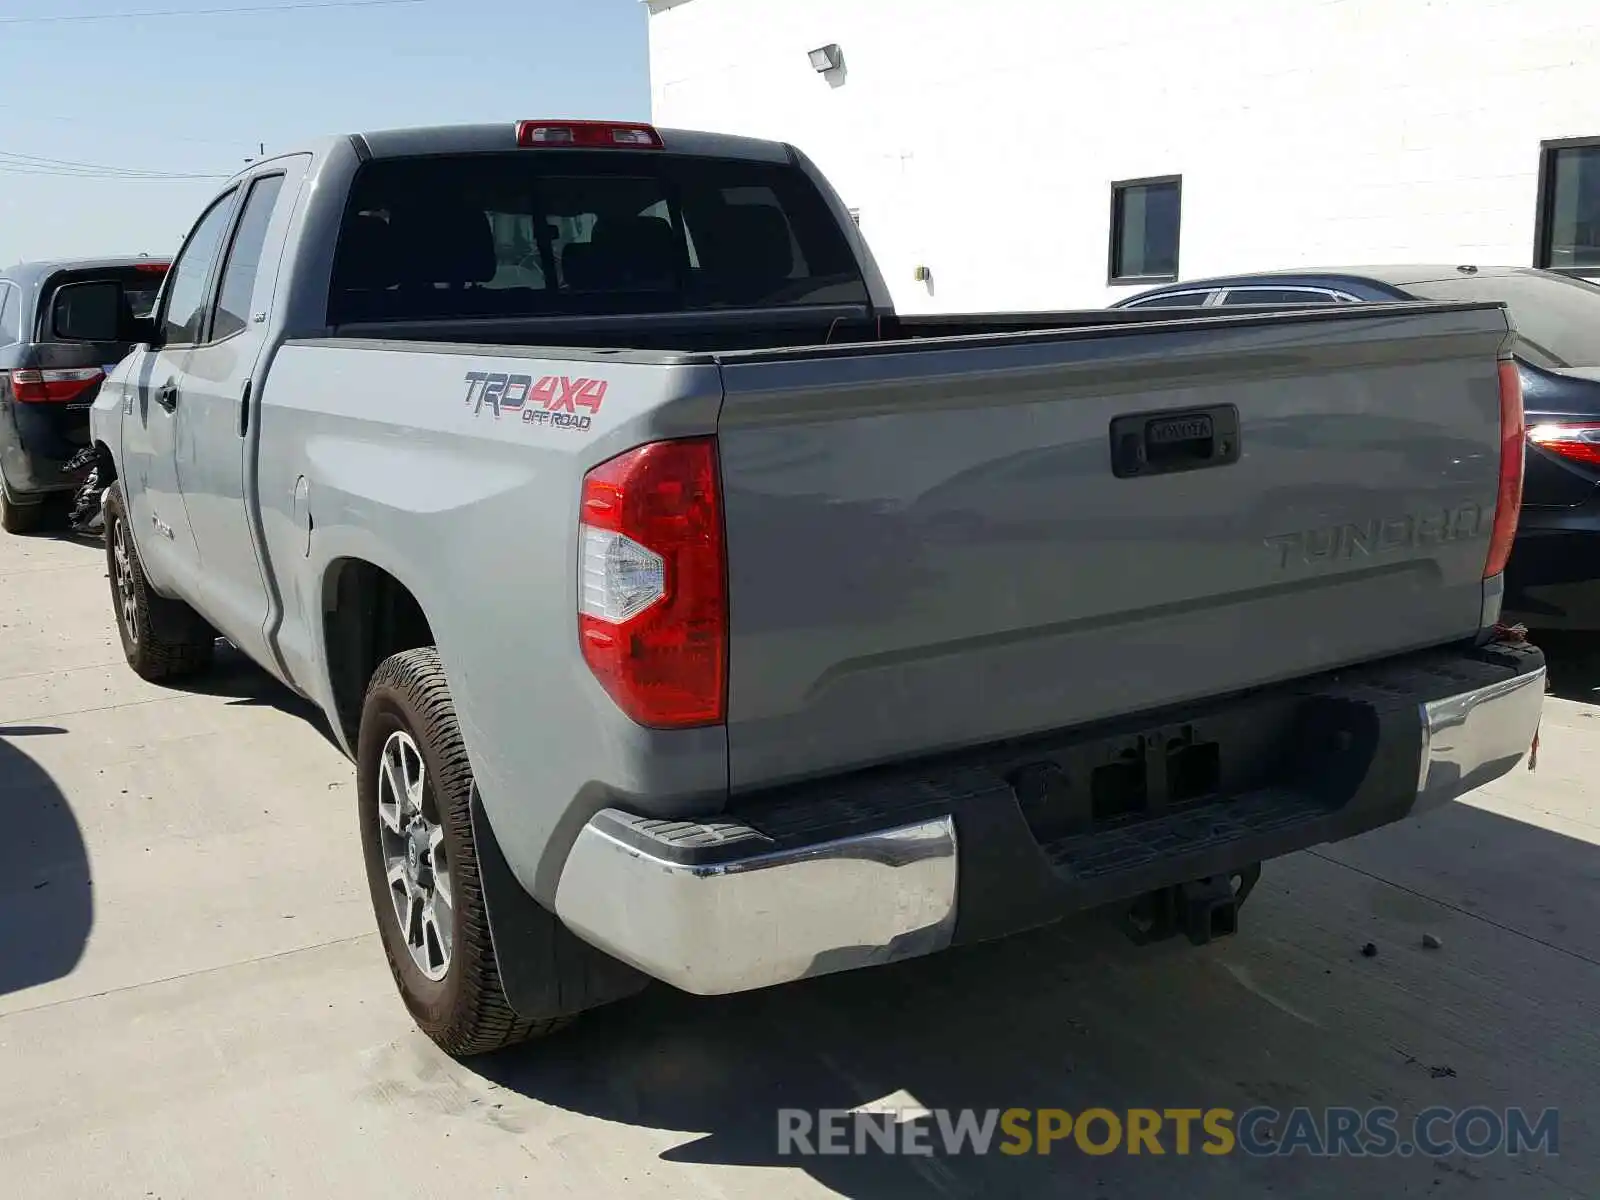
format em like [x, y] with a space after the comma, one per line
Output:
[1203, 910]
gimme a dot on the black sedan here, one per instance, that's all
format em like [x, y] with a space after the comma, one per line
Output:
[1553, 580]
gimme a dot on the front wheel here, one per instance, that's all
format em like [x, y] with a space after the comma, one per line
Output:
[161, 638]
[414, 786]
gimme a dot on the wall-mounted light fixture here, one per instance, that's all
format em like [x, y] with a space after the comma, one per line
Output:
[827, 58]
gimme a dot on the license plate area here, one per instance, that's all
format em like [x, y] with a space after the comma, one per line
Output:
[1274, 739]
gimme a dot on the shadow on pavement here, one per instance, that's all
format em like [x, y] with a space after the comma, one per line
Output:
[1288, 1013]
[46, 905]
[237, 679]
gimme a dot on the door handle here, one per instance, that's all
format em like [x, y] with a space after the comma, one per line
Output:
[244, 410]
[167, 395]
[1161, 443]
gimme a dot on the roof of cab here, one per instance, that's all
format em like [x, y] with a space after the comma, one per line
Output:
[471, 139]
[32, 272]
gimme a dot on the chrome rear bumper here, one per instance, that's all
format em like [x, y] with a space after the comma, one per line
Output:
[746, 922]
[716, 906]
[1473, 737]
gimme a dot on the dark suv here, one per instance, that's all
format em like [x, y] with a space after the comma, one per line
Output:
[49, 378]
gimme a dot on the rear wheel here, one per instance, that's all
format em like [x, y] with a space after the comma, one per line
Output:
[161, 638]
[414, 786]
[18, 518]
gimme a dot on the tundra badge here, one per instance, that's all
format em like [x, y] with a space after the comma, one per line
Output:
[1381, 535]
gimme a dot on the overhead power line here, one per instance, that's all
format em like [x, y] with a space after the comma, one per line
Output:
[32, 164]
[243, 10]
[30, 113]
[90, 176]
[71, 164]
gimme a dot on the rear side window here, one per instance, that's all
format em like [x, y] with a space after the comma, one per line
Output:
[1170, 300]
[1299, 297]
[10, 314]
[553, 233]
[244, 259]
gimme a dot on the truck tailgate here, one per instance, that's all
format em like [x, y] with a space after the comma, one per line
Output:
[952, 542]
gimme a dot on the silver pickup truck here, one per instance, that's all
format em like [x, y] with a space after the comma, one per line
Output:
[690, 615]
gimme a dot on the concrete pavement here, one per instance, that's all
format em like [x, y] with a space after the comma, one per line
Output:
[193, 1003]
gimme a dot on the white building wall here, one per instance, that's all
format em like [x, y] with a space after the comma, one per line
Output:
[980, 139]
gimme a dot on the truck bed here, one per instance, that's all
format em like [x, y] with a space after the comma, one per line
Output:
[810, 329]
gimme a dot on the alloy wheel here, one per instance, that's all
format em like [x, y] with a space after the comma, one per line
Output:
[415, 859]
[127, 596]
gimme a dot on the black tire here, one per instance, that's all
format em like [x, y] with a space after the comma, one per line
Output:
[161, 638]
[465, 1012]
[19, 518]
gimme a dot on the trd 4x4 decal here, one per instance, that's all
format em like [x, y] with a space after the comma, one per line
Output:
[554, 400]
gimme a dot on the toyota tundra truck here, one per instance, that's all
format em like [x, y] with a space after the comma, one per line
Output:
[690, 615]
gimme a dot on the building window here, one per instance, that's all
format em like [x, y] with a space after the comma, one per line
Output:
[1567, 235]
[1144, 229]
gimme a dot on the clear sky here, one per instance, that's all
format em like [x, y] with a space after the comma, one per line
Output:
[195, 94]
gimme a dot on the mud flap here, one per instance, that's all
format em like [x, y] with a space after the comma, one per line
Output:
[174, 621]
[546, 970]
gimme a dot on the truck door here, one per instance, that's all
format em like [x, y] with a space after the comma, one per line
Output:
[215, 409]
[150, 427]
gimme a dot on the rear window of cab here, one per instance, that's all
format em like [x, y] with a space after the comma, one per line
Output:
[566, 232]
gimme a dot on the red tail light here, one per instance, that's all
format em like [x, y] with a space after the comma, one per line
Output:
[589, 135]
[1575, 441]
[652, 590]
[53, 387]
[1508, 504]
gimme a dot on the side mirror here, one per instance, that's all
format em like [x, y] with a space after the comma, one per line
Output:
[92, 311]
